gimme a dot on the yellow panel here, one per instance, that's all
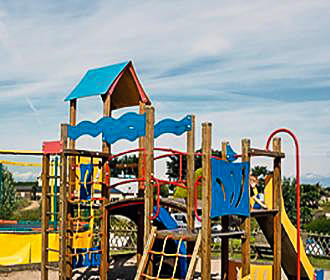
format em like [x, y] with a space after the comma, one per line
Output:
[289, 228]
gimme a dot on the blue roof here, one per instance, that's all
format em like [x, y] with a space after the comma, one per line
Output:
[97, 81]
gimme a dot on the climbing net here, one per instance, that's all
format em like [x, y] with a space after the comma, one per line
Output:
[84, 218]
[173, 260]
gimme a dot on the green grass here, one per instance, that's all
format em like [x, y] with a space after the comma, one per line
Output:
[320, 262]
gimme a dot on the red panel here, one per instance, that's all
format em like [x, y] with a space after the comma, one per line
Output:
[52, 147]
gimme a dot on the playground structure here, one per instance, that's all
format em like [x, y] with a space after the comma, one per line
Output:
[75, 213]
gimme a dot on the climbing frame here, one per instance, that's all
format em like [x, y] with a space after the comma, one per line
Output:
[150, 253]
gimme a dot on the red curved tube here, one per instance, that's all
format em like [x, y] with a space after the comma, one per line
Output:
[295, 139]
[127, 182]
[177, 184]
[170, 151]
[153, 217]
[126, 152]
[196, 198]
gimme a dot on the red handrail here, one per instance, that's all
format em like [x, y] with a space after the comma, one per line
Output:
[126, 152]
[196, 198]
[126, 182]
[295, 139]
[153, 217]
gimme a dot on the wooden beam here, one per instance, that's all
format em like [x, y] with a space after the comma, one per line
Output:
[144, 260]
[149, 169]
[44, 217]
[225, 228]
[63, 207]
[190, 174]
[106, 149]
[264, 153]
[149, 172]
[206, 201]
[72, 180]
[193, 261]
[140, 222]
[277, 191]
[246, 225]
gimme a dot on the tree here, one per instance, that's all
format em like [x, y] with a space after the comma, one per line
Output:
[310, 195]
[8, 203]
[127, 164]
[173, 165]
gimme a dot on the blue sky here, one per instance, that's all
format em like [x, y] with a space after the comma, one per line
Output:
[247, 66]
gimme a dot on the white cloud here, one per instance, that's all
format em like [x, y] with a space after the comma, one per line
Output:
[255, 46]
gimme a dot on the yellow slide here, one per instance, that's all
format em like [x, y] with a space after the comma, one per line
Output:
[289, 239]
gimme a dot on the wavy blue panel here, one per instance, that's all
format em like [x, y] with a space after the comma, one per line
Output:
[173, 126]
[230, 188]
[231, 154]
[129, 126]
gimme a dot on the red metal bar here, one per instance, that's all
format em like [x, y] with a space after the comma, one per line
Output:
[153, 217]
[178, 184]
[127, 182]
[295, 139]
[170, 150]
[126, 152]
[180, 169]
[196, 198]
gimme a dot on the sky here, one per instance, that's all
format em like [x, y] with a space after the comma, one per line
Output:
[248, 67]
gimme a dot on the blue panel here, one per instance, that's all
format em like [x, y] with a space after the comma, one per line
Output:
[231, 155]
[86, 260]
[129, 126]
[230, 188]
[86, 172]
[172, 126]
[319, 274]
[97, 81]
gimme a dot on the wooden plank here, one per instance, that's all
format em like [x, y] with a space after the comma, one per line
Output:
[193, 261]
[277, 191]
[44, 218]
[106, 148]
[264, 153]
[144, 259]
[72, 180]
[206, 201]
[190, 174]
[225, 227]
[263, 212]
[63, 207]
[140, 222]
[228, 234]
[149, 166]
[149, 172]
[246, 225]
[177, 234]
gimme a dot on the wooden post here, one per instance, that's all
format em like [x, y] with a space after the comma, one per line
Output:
[206, 201]
[106, 148]
[246, 225]
[140, 222]
[190, 174]
[63, 208]
[277, 191]
[72, 180]
[44, 217]
[225, 228]
[149, 169]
